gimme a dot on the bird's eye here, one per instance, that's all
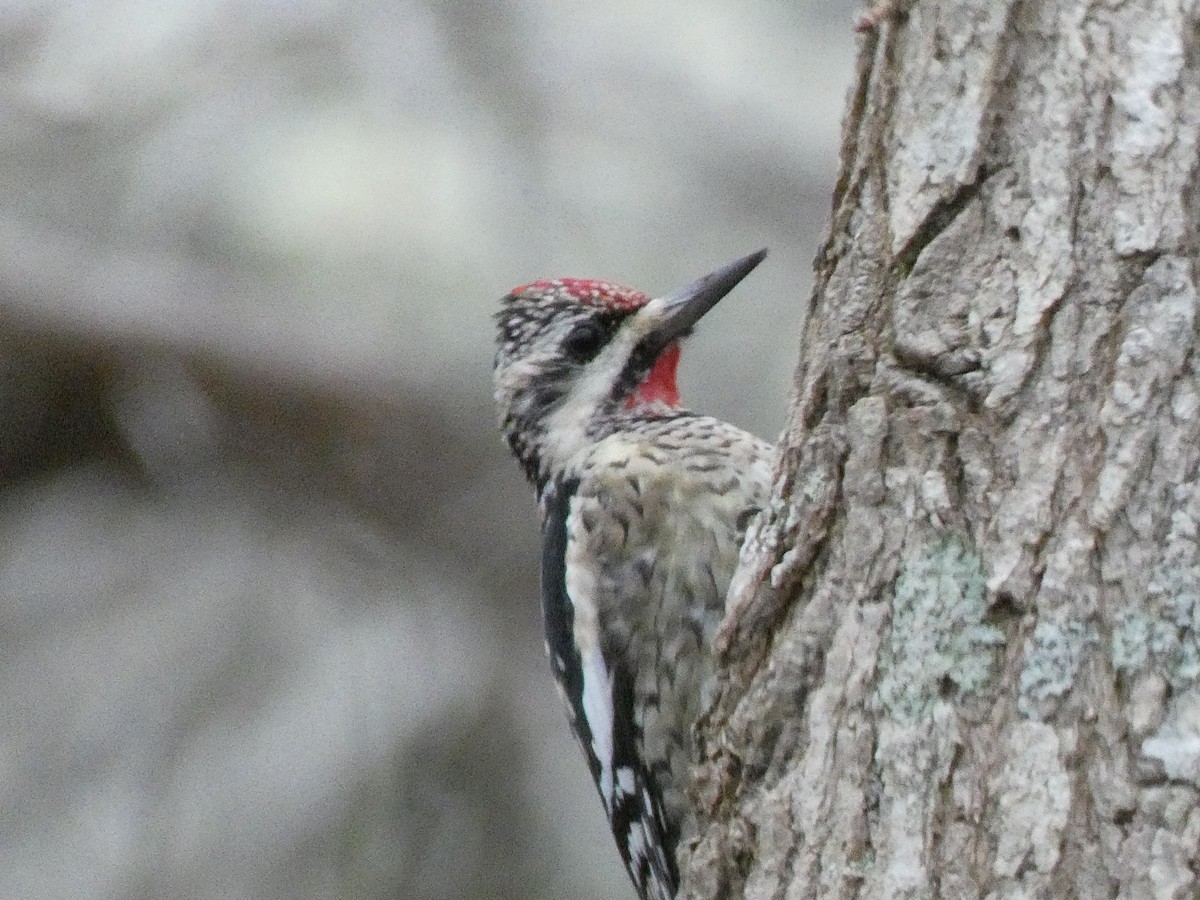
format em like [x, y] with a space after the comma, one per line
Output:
[584, 341]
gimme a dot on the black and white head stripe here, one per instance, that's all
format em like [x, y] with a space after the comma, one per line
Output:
[599, 695]
[545, 343]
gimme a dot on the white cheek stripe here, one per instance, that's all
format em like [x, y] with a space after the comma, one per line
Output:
[566, 427]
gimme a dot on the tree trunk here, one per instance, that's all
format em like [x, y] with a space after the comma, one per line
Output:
[963, 645]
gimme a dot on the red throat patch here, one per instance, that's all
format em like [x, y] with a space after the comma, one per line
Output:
[659, 385]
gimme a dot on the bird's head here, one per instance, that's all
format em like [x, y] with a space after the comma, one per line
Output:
[571, 352]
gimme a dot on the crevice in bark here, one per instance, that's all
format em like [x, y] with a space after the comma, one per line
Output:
[845, 191]
[940, 218]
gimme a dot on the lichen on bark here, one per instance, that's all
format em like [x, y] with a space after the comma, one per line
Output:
[938, 636]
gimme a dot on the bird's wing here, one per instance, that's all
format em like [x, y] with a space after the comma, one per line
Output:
[599, 693]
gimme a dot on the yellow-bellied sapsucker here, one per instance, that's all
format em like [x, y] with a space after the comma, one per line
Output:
[644, 506]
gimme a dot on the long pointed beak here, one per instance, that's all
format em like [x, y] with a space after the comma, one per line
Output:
[684, 308]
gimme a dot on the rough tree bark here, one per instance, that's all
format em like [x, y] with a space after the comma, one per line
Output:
[963, 651]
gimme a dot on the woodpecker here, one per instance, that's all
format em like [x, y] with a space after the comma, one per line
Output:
[644, 506]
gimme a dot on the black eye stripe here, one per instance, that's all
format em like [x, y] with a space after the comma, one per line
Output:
[644, 355]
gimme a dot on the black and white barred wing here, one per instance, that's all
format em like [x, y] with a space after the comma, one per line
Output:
[599, 692]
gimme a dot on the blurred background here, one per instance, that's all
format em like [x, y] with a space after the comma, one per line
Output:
[268, 578]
